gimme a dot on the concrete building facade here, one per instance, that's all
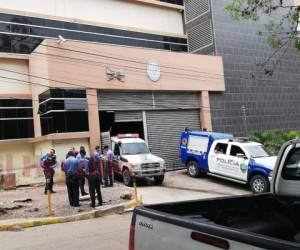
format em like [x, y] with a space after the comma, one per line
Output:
[117, 67]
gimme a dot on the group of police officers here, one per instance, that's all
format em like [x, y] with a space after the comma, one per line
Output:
[78, 166]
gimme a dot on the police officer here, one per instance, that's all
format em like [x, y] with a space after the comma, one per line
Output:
[93, 172]
[107, 166]
[97, 161]
[48, 163]
[73, 172]
[83, 161]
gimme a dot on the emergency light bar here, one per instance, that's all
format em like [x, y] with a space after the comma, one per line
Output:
[122, 136]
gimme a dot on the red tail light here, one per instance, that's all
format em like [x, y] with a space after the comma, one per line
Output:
[210, 240]
[132, 232]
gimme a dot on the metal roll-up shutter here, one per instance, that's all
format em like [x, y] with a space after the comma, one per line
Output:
[124, 100]
[147, 100]
[175, 100]
[128, 116]
[164, 127]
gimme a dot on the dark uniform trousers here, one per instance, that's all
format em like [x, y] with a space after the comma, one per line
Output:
[49, 183]
[95, 187]
[72, 182]
[81, 184]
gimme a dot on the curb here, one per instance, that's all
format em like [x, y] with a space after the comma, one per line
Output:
[55, 220]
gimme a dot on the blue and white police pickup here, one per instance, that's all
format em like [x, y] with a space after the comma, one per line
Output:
[221, 155]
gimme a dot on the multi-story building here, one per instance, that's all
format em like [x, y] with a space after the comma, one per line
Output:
[71, 70]
[253, 100]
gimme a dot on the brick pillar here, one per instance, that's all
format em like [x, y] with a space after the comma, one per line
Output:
[205, 114]
[93, 116]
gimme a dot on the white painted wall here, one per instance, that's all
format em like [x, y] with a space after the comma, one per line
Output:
[8, 86]
[110, 12]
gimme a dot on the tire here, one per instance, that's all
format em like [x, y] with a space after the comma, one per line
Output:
[127, 179]
[259, 184]
[158, 180]
[193, 169]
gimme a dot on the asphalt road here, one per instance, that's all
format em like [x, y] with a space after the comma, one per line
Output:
[111, 232]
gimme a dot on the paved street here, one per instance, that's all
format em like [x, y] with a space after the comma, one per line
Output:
[112, 232]
[178, 186]
[109, 232]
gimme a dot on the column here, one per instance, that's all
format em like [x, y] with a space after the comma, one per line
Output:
[93, 116]
[205, 114]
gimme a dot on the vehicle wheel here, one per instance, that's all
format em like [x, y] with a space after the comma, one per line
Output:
[127, 179]
[158, 180]
[193, 169]
[259, 184]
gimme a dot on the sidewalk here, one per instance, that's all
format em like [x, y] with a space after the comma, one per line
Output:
[38, 207]
[19, 224]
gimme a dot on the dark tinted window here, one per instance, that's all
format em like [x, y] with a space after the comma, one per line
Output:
[15, 103]
[16, 129]
[25, 44]
[67, 93]
[236, 150]
[221, 148]
[291, 168]
[15, 113]
[44, 96]
[5, 43]
[61, 122]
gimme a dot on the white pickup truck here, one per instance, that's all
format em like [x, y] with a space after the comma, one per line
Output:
[257, 221]
[133, 159]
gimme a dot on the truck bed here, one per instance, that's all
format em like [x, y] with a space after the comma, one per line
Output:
[267, 221]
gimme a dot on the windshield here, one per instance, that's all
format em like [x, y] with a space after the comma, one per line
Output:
[256, 151]
[135, 148]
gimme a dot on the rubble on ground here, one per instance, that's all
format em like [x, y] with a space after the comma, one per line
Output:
[30, 202]
[126, 195]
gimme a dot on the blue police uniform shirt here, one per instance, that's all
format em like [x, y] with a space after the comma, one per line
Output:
[83, 162]
[97, 157]
[72, 166]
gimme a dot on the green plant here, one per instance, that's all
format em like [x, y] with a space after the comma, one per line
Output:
[274, 139]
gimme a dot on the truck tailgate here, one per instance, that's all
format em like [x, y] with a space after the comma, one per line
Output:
[153, 234]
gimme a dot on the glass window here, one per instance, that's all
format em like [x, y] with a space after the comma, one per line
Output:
[256, 151]
[44, 96]
[221, 148]
[235, 150]
[134, 148]
[23, 44]
[75, 93]
[291, 168]
[4, 27]
[20, 44]
[5, 17]
[22, 29]
[15, 103]
[62, 122]
[19, 19]
[16, 129]
[37, 21]
[5, 43]
[8, 113]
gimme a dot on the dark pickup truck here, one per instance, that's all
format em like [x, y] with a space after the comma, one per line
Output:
[262, 221]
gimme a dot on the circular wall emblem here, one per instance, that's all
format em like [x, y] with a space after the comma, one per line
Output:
[153, 70]
[243, 167]
[184, 141]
